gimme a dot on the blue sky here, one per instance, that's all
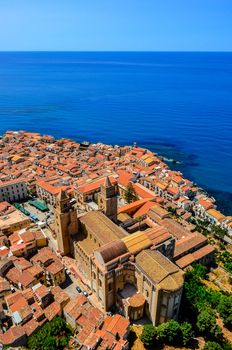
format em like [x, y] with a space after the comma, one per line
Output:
[155, 25]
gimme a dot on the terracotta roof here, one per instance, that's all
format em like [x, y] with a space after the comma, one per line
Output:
[137, 241]
[144, 209]
[95, 185]
[111, 251]
[195, 256]
[35, 270]
[52, 310]
[205, 203]
[25, 278]
[172, 190]
[27, 236]
[74, 303]
[60, 295]
[185, 261]
[157, 211]
[157, 234]
[137, 300]
[189, 242]
[132, 207]
[142, 191]
[160, 270]
[19, 304]
[204, 251]
[124, 177]
[216, 214]
[41, 291]
[116, 325]
[4, 285]
[101, 227]
[175, 228]
[11, 335]
[55, 267]
[30, 327]
[12, 298]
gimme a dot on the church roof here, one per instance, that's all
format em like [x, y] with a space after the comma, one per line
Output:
[160, 270]
[111, 251]
[102, 227]
[136, 242]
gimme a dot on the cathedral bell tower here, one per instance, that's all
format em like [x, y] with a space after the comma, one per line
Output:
[108, 200]
[66, 223]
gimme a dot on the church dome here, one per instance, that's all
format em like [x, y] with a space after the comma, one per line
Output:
[110, 251]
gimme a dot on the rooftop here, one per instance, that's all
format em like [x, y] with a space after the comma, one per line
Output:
[160, 270]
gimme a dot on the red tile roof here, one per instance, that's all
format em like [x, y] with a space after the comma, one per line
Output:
[116, 325]
[95, 185]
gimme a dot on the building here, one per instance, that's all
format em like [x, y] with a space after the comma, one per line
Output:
[127, 270]
[13, 220]
[65, 222]
[54, 270]
[144, 283]
[137, 265]
[48, 190]
[94, 231]
[13, 191]
[87, 195]
[108, 200]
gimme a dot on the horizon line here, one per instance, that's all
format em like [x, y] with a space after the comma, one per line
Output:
[119, 51]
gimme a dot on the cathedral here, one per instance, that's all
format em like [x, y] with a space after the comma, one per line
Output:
[126, 271]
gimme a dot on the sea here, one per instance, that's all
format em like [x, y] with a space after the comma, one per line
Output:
[177, 104]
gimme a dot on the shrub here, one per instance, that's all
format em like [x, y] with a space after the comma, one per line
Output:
[211, 345]
[130, 194]
[225, 310]
[169, 332]
[52, 336]
[187, 333]
[148, 335]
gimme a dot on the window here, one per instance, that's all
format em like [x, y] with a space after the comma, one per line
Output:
[110, 286]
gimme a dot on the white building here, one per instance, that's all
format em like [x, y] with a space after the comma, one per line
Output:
[12, 191]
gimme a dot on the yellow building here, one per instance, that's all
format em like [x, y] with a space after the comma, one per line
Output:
[13, 221]
[121, 269]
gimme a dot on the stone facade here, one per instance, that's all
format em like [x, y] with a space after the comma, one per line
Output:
[121, 269]
[108, 200]
[66, 223]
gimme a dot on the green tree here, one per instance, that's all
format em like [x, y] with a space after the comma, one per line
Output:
[218, 231]
[187, 332]
[54, 335]
[225, 310]
[227, 345]
[206, 321]
[130, 195]
[171, 210]
[169, 332]
[148, 335]
[212, 345]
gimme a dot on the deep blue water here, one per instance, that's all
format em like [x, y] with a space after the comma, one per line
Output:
[178, 104]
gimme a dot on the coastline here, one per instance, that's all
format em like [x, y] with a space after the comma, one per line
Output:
[184, 163]
[177, 160]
